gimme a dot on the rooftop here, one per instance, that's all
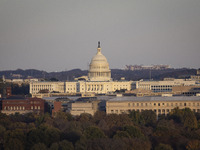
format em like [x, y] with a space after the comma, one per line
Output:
[173, 98]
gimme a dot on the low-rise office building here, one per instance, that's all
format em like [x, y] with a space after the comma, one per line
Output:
[79, 107]
[22, 105]
[160, 105]
[163, 86]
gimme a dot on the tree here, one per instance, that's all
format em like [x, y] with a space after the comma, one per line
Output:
[65, 145]
[14, 139]
[72, 136]
[136, 117]
[177, 115]
[121, 134]
[193, 145]
[54, 146]
[133, 131]
[13, 143]
[149, 117]
[39, 146]
[93, 132]
[163, 147]
[52, 135]
[190, 120]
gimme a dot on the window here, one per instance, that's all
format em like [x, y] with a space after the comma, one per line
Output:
[39, 107]
[31, 107]
[184, 104]
[158, 104]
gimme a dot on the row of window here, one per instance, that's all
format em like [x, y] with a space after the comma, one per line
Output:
[163, 104]
[33, 86]
[14, 108]
[37, 89]
[159, 111]
[20, 107]
[36, 107]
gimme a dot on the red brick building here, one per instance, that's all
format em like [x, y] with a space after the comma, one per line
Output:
[22, 105]
[57, 107]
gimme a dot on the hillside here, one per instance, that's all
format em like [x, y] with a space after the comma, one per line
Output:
[116, 74]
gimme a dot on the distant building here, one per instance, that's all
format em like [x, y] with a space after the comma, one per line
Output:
[22, 105]
[163, 86]
[160, 105]
[57, 107]
[141, 67]
[197, 76]
[37, 87]
[99, 80]
[89, 106]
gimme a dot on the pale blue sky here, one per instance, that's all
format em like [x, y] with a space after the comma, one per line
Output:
[57, 35]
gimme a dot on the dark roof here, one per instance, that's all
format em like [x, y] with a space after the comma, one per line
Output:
[15, 97]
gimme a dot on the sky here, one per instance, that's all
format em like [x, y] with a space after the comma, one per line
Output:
[60, 35]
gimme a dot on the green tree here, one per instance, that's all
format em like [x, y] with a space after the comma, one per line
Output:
[65, 145]
[39, 146]
[14, 143]
[193, 145]
[133, 131]
[190, 120]
[54, 146]
[163, 147]
[14, 139]
[93, 132]
[149, 117]
[52, 135]
[121, 134]
[136, 117]
[81, 144]
[72, 136]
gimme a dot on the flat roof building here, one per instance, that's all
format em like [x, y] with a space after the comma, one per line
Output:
[160, 105]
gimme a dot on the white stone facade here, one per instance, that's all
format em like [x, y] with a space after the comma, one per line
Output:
[163, 86]
[99, 80]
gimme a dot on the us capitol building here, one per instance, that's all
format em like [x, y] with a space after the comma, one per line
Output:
[98, 81]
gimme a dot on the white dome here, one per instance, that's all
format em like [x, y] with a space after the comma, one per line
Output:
[99, 67]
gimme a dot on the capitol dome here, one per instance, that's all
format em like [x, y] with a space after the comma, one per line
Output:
[99, 67]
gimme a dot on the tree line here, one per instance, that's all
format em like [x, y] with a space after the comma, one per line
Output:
[180, 130]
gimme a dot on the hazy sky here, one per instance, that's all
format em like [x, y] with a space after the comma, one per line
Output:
[58, 35]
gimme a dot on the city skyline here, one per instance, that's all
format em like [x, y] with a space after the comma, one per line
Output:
[63, 35]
